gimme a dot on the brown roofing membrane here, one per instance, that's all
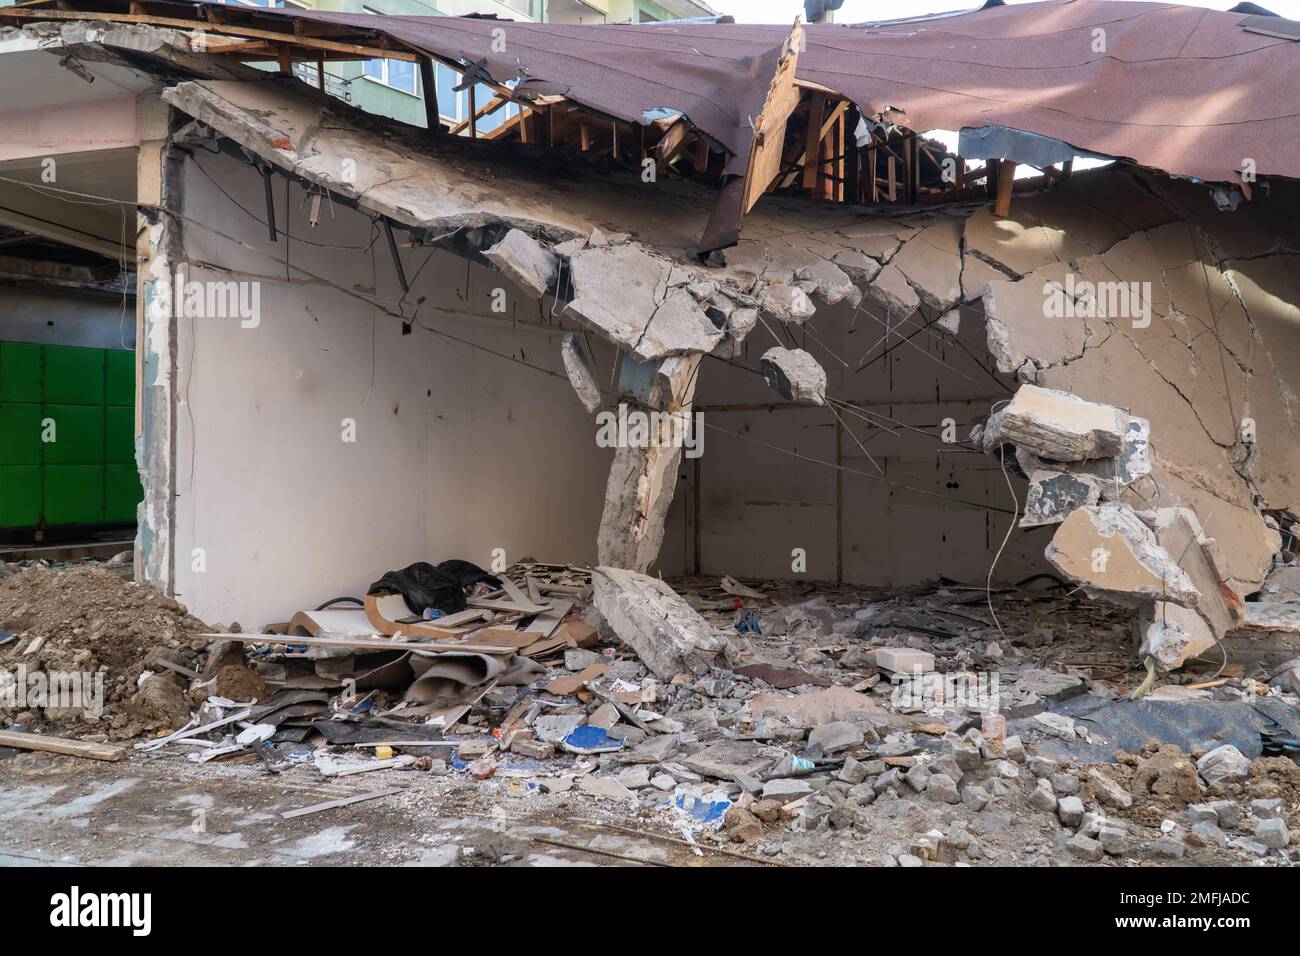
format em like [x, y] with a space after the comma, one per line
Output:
[1186, 90]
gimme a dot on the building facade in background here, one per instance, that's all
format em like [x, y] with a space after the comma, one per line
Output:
[392, 87]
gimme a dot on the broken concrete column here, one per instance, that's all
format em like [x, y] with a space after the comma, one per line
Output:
[524, 260]
[642, 479]
[1112, 475]
[1057, 425]
[1116, 557]
[794, 375]
[644, 613]
[582, 374]
[627, 295]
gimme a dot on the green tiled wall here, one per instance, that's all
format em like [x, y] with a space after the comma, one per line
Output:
[87, 473]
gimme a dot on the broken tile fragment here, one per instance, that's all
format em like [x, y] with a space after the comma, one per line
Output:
[794, 375]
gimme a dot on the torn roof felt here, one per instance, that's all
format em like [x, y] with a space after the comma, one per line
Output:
[1185, 90]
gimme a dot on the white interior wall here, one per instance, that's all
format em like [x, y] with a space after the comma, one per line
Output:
[757, 504]
[458, 452]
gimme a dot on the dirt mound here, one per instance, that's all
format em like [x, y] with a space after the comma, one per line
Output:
[89, 633]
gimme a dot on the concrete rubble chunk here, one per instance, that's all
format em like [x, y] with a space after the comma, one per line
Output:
[892, 292]
[856, 265]
[626, 295]
[1108, 550]
[644, 613]
[794, 375]
[788, 303]
[727, 758]
[1179, 532]
[1108, 791]
[1282, 586]
[832, 283]
[1223, 764]
[836, 736]
[582, 375]
[1059, 426]
[931, 262]
[527, 263]
[1170, 634]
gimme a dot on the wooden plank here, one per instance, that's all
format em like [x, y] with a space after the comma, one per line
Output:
[545, 623]
[343, 802]
[362, 52]
[355, 643]
[1006, 183]
[813, 148]
[61, 745]
[769, 126]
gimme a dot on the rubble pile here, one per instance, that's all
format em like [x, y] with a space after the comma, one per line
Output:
[118, 647]
[784, 722]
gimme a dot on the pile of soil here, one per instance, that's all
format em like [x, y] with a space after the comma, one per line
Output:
[88, 621]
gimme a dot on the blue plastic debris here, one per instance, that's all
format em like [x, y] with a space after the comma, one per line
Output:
[703, 813]
[591, 740]
[6, 637]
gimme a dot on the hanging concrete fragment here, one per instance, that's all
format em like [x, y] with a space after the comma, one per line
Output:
[788, 303]
[625, 294]
[833, 285]
[892, 292]
[1108, 550]
[794, 375]
[1057, 425]
[582, 375]
[1171, 635]
[523, 259]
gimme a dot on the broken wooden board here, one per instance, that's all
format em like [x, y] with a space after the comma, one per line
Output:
[61, 745]
[388, 614]
[544, 624]
[357, 643]
[572, 682]
[343, 802]
[769, 127]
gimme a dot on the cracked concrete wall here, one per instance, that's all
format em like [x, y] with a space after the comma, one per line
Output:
[458, 451]
[1212, 366]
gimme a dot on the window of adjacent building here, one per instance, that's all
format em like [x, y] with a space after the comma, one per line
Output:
[397, 74]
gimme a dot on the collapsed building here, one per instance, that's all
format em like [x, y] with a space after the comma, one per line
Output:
[359, 342]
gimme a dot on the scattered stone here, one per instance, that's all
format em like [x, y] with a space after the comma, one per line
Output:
[1042, 797]
[1070, 811]
[1223, 764]
[836, 736]
[1107, 791]
[975, 798]
[1055, 725]
[1271, 809]
[942, 789]
[1167, 847]
[1085, 848]
[1273, 833]
[1065, 784]
[1114, 840]
[786, 789]
[788, 303]
[853, 772]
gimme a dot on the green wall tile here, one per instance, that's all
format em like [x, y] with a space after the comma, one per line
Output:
[74, 376]
[122, 492]
[20, 434]
[74, 494]
[119, 435]
[20, 372]
[120, 369]
[20, 496]
[78, 433]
